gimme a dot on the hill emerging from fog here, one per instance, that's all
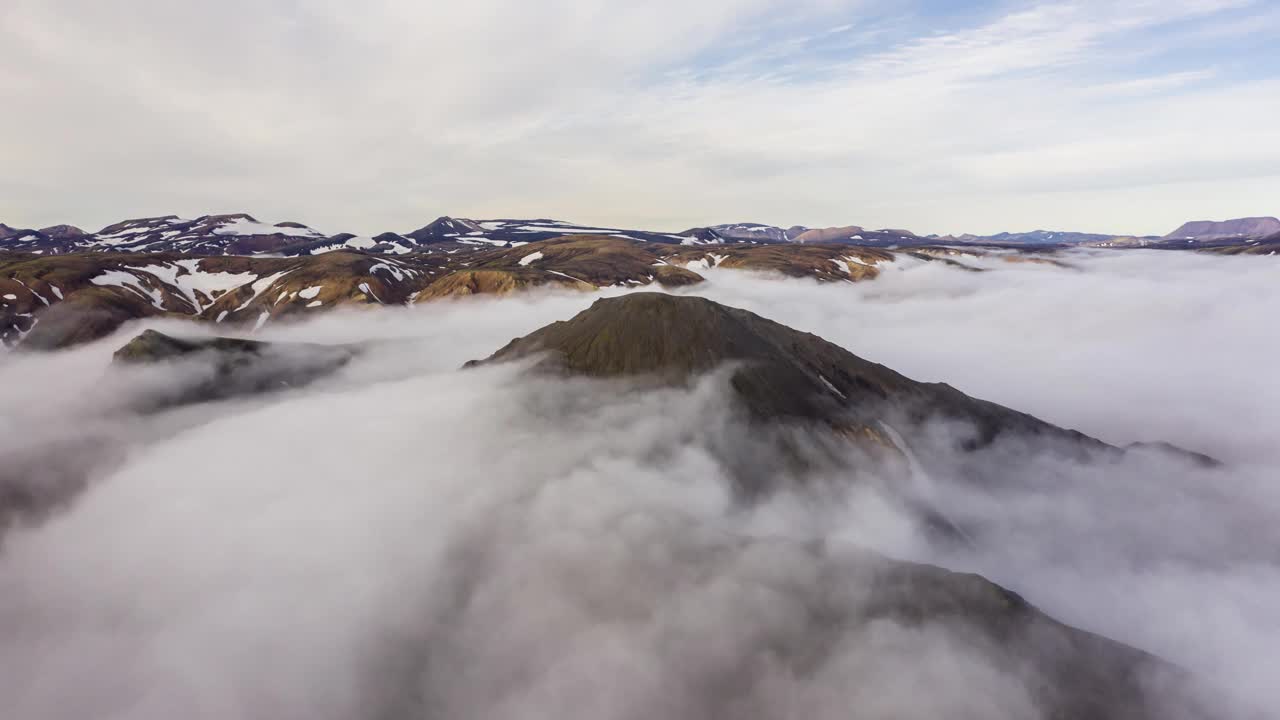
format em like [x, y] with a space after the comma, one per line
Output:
[778, 373]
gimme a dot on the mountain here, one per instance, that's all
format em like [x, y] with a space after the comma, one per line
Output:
[242, 234]
[780, 375]
[49, 302]
[63, 232]
[1201, 230]
[15, 238]
[511, 233]
[235, 234]
[229, 367]
[54, 301]
[595, 261]
[444, 229]
[753, 232]
[1037, 237]
[897, 613]
[826, 263]
[849, 233]
[1262, 246]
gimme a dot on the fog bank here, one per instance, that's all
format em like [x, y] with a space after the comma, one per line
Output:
[405, 539]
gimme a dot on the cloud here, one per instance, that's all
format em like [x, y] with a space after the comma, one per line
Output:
[406, 536]
[1128, 355]
[661, 115]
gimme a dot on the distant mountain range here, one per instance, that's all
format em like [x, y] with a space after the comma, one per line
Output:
[1044, 237]
[243, 234]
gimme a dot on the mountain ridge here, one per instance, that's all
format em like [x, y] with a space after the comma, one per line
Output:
[243, 234]
[779, 373]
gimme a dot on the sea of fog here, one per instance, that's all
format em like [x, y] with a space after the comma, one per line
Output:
[406, 539]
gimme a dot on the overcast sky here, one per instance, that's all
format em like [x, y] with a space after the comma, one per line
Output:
[933, 115]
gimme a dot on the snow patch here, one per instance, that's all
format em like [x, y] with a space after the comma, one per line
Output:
[241, 226]
[260, 286]
[394, 269]
[32, 290]
[195, 280]
[833, 388]
[555, 272]
[706, 263]
[364, 288]
[360, 243]
[129, 281]
[531, 258]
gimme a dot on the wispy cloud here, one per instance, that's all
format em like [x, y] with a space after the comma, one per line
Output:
[667, 114]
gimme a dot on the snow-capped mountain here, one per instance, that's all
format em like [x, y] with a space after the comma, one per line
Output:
[58, 300]
[244, 235]
[843, 235]
[237, 234]
[512, 232]
[755, 232]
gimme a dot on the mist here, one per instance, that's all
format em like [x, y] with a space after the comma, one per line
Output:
[406, 539]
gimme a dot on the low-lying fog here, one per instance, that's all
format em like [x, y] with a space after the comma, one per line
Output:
[408, 540]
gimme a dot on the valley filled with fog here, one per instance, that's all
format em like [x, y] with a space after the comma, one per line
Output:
[406, 538]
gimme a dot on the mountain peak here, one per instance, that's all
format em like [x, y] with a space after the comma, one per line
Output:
[778, 373]
[442, 228]
[63, 232]
[7, 232]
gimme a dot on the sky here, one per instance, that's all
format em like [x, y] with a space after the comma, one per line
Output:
[1126, 117]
